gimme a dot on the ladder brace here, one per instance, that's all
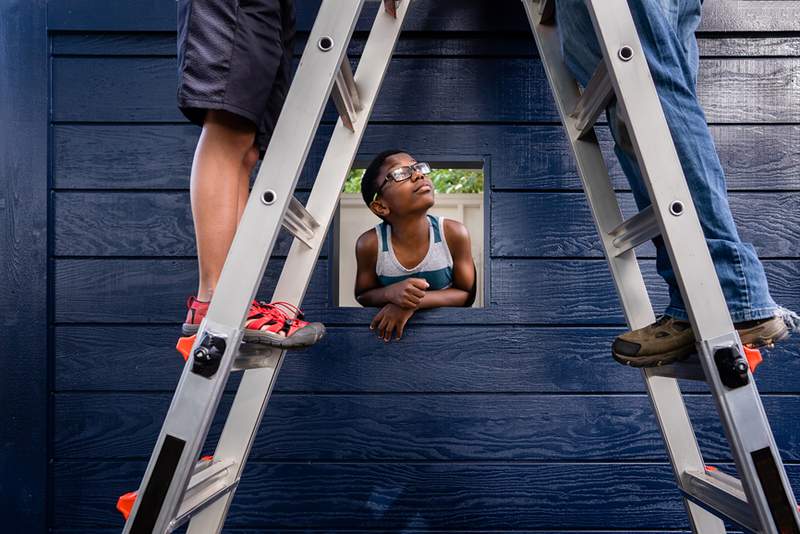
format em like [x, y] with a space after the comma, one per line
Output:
[721, 492]
[345, 93]
[593, 101]
[299, 222]
[639, 229]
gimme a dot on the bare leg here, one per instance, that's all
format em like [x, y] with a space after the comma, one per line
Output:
[222, 153]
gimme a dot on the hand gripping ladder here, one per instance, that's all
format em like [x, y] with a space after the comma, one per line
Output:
[762, 499]
[176, 486]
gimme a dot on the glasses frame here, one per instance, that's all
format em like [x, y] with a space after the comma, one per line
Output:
[410, 169]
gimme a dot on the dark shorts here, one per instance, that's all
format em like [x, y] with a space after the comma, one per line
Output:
[235, 55]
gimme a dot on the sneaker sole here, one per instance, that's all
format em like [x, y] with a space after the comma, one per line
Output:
[303, 338]
[756, 340]
[657, 360]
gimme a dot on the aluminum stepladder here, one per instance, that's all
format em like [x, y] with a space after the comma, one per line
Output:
[176, 486]
[762, 499]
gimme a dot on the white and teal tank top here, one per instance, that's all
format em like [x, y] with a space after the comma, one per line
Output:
[436, 267]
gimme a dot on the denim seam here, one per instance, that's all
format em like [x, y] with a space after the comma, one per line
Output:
[740, 270]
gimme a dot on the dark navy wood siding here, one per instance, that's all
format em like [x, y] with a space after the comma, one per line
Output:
[507, 418]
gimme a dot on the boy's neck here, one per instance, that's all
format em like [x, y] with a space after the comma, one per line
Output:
[410, 229]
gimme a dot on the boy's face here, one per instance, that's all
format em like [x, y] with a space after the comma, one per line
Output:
[406, 197]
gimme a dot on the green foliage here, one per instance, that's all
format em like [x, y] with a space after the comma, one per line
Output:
[444, 181]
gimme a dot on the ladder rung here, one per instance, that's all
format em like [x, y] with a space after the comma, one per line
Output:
[255, 356]
[689, 369]
[547, 11]
[721, 492]
[639, 229]
[345, 94]
[300, 223]
[593, 101]
[208, 483]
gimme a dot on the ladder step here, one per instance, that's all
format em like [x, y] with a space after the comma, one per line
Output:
[300, 223]
[547, 12]
[639, 229]
[204, 484]
[250, 355]
[345, 94]
[593, 101]
[691, 369]
[209, 482]
[721, 492]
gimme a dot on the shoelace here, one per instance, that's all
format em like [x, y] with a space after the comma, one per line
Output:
[280, 310]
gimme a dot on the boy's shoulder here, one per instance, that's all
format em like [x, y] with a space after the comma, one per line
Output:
[454, 230]
[367, 242]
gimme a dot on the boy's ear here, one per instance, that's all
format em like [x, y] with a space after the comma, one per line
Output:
[379, 208]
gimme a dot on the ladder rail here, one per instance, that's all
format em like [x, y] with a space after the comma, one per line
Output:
[739, 407]
[197, 397]
[675, 424]
[256, 386]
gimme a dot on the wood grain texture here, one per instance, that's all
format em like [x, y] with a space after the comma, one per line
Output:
[428, 15]
[23, 265]
[420, 495]
[408, 428]
[522, 224]
[410, 44]
[560, 224]
[93, 156]
[530, 291]
[429, 359]
[732, 90]
[133, 224]
[147, 290]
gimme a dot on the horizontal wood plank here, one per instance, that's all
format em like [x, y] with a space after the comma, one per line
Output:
[421, 90]
[394, 428]
[136, 290]
[429, 359]
[134, 224]
[427, 15]
[410, 44]
[538, 291]
[394, 496]
[117, 156]
[560, 224]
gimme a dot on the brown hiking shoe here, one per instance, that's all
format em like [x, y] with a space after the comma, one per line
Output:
[669, 340]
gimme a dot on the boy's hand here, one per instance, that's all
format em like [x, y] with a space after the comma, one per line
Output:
[408, 293]
[391, 318]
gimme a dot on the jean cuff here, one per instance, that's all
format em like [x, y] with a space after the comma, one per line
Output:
[736, 317]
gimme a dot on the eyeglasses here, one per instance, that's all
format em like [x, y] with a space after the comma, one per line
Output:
[401, 174]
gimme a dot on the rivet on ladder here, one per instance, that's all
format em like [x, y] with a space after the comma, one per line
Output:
[625, 53]
[268, 197]
[325, 43]
[676, 208]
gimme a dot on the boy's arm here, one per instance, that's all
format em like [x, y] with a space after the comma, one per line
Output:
[368, 290]
[460, 294]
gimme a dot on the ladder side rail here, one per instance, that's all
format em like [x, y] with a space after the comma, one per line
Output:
[256, 386]
[739, 408]
[664, 392]
[196, 397]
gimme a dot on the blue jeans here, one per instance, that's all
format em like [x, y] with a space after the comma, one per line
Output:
[666, 29]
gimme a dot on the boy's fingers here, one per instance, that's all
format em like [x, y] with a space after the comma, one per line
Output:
[375, 320]
[421, 283]
[417, 292]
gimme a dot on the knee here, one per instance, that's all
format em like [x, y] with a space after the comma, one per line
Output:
[234, 132]
[251, 158]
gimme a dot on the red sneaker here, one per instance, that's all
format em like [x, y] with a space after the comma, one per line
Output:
[279, 324]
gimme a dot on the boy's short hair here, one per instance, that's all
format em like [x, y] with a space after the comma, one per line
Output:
[370, 182]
